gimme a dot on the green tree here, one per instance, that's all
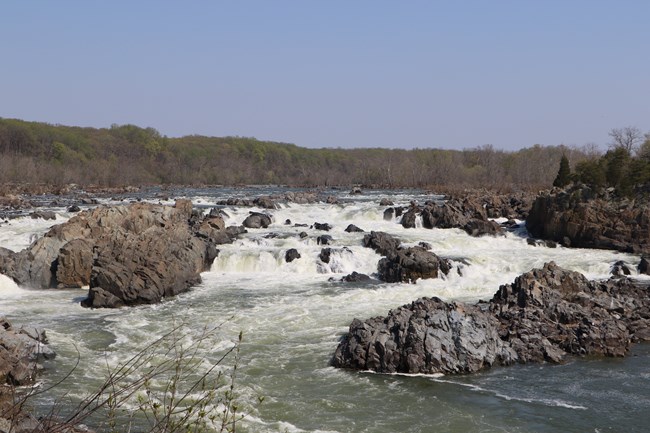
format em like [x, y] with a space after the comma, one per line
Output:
[564, 173]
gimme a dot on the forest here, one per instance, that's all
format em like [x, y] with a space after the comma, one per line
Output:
[41, 153]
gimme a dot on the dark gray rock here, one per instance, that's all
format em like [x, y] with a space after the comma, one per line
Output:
[291, 255]
[322, 226]
[325, 255]
[257, 220]
[408, 265]
[409, 218]
[355, 277]
[584, 218]
[644, 266]
[44, 214]
[323, 240]
[381, 242]
[543, 316]
[351, 228]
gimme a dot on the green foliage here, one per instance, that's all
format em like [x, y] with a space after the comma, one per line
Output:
[128, 154]
[564, 173]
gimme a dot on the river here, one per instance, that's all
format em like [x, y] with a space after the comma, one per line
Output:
[291, 316]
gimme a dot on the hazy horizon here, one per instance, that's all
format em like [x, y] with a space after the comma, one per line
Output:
[336, 74]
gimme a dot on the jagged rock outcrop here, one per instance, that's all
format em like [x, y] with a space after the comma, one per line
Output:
[127, 254]
[404, 264]
[580, 217]
[466, 214]
[407, 265]
[544, 315]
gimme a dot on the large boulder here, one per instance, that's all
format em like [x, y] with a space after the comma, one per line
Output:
[581, 217]
[408, 265]
[543, 316]
[127, 254]
[381, 242]
[257, 220]
[428, 336]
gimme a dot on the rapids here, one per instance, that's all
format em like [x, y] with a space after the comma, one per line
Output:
[293, 314]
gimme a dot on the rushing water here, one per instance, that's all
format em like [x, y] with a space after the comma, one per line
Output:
[293, 314]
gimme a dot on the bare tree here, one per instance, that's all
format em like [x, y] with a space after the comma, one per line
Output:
[627, 138]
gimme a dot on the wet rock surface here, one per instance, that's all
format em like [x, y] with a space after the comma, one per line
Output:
[543, 316]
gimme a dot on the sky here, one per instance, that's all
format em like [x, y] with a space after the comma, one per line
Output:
[397, 74]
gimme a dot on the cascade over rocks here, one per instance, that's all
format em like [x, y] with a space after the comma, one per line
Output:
[580, 217]
[128, 255]
[543, 316]
[404, 264]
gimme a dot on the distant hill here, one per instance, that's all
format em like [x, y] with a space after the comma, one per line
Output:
[36, 152]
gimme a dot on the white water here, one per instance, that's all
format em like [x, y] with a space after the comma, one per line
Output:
[292, 316]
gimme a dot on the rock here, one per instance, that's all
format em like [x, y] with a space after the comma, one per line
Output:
[389, 214]
[381, 242]
[425, 245]
[385, 202]
[545, 315]
[303, 235]
[410, 264]
[287, 222]
[325, 255]
[74, 209]
[644, 266]
[21, 350]
[466, 214]
[74, 264]
[356, 190]
[137, 254]
[44, 214]
[620, 269]
[331, 199]
[291, 255]
[265, 202]
[323, 240]
[257, 220]
[322, 226]
[355, 277]
[477, 227]
[428, 336]
[351, 228]
[583, 218]
[408, 219]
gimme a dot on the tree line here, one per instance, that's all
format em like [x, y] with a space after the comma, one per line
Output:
[34, 152]
[625, 167]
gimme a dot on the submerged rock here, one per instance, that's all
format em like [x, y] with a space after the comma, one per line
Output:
[544, 315]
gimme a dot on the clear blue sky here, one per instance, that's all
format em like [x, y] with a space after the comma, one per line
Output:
[450, 74]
